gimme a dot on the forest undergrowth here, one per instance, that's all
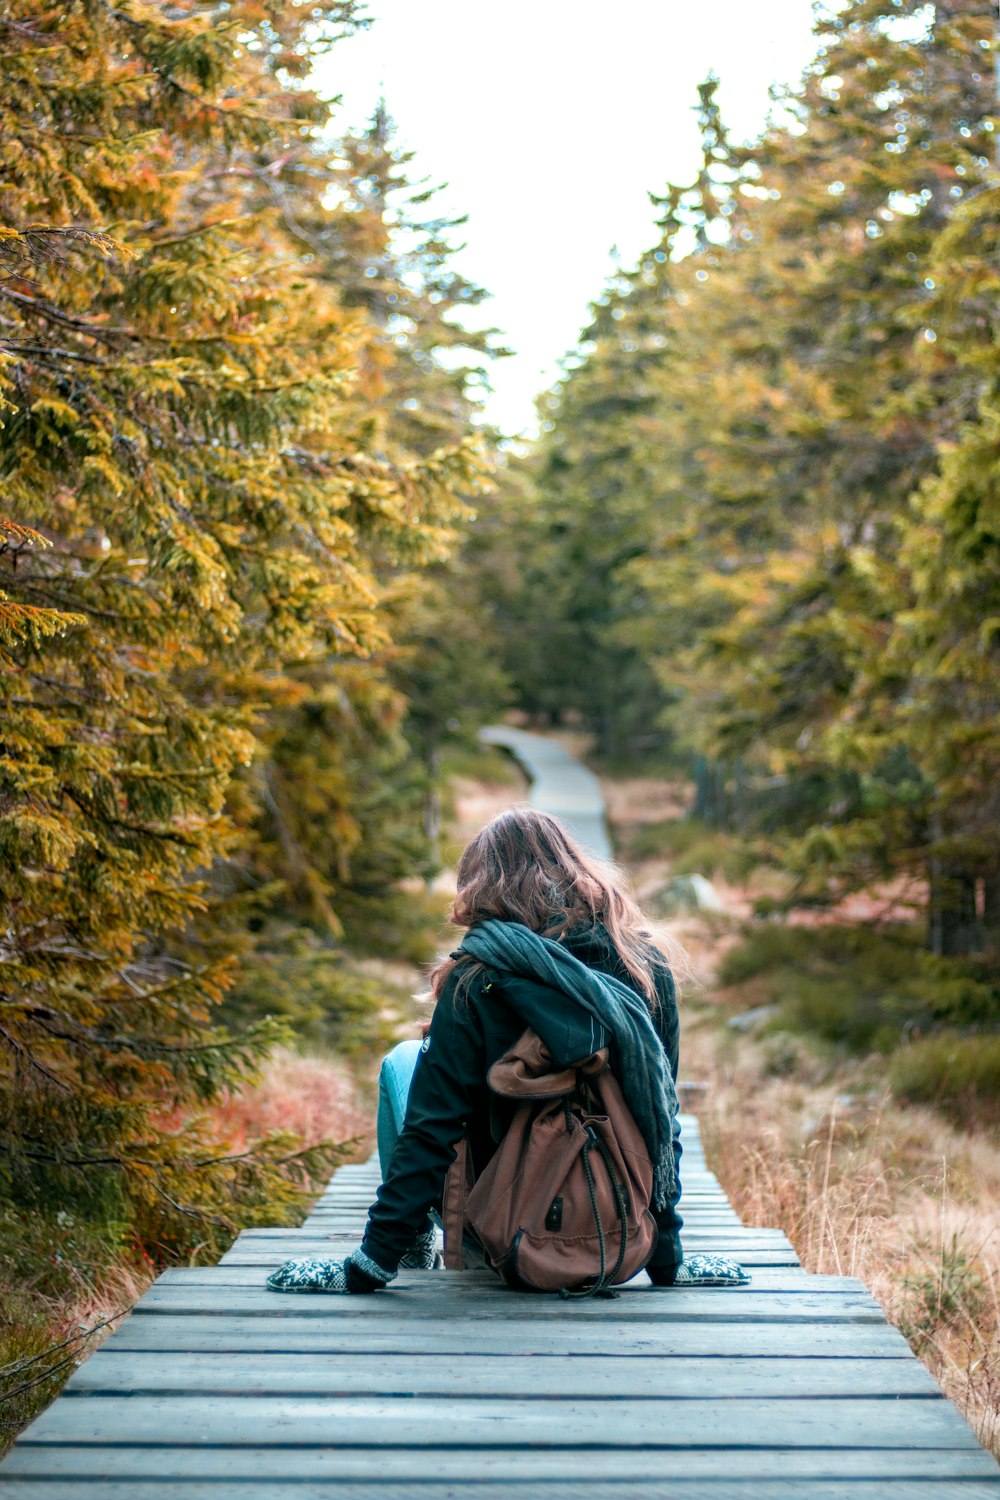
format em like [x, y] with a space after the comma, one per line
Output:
[66, 1289]
[811, 1136]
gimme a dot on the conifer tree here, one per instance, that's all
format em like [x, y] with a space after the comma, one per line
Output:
[363, 738]
[841, 417]
[935, 694]
[179, 428]
[799, 475]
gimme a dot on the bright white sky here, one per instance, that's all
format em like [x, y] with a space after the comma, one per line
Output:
[549, 120]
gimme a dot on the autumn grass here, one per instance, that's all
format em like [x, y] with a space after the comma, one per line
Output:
[84, 1278]
[806, 1135]
[864, 1187]
[316, 1097]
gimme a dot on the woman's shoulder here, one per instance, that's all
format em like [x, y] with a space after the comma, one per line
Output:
[465, 985]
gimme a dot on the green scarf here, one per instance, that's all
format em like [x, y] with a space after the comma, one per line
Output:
[642, 1069]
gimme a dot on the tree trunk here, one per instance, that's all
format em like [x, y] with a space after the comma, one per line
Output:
[709, 791]
[432, 802]
[991, 907]
[953, 927]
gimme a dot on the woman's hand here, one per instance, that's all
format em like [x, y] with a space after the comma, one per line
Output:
[358, 1273]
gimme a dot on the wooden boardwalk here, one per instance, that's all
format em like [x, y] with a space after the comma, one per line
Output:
[559, 784]
[448, 1385]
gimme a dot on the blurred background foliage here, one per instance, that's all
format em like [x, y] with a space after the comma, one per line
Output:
[758, 536]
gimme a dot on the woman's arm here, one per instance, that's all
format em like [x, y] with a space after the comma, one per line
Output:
[668, 1253]
[450, 1068]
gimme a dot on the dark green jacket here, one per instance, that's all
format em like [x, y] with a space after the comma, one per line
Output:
[449, 1097]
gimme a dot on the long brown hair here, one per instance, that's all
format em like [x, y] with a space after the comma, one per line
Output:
[524, 866]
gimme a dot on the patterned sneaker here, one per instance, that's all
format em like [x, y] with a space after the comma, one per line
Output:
[423, 1254]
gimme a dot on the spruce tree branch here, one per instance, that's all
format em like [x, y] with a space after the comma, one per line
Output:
[103, 332]
[18, 1366]
[138, 30]
[161, 834]
[32, 1061]
[200, 1214]
[277, 1161]
[122, 1164]
[47, 352]
[139, 1045]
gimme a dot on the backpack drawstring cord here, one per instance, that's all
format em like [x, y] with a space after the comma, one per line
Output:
[602, 1286]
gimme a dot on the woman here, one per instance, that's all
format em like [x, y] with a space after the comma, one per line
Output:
[536, 907]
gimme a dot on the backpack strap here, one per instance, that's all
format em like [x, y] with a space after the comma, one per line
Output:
[457, 1184]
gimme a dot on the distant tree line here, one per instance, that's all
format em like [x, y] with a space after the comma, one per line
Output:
[761, 528]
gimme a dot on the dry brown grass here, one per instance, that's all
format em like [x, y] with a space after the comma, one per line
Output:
[315, 1097]
[643, 799]
[862, 1187]
[95, 1312]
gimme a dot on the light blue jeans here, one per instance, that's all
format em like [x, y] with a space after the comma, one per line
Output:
[394, 1081]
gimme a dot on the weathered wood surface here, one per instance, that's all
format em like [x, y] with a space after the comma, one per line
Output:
[448, 1385]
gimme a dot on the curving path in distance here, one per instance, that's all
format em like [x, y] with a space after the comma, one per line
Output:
[559, 784]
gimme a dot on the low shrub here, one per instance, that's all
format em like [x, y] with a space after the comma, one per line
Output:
[764, 948]
[488, 763]
[864, 989]
[944, 1292]
[322, 992]
[691, 846]
[960, 1075]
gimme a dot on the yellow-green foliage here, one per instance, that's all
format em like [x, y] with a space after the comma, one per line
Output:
[693, 848]
[202, 530]
[761, 515]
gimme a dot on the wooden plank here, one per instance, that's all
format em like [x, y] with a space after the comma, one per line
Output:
[320, 1231]
[744, 1242]
[370, 1474]
[422, 1422]
[470, 1375]
[643, 1304]
[697, 1239]
[467, 1283]
[267, 1260]
[695, 1235]
[593, 1489]
[403, 1335]
[482, 1282]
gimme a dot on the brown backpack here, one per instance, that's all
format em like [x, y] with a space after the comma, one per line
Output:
[563, 1204]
